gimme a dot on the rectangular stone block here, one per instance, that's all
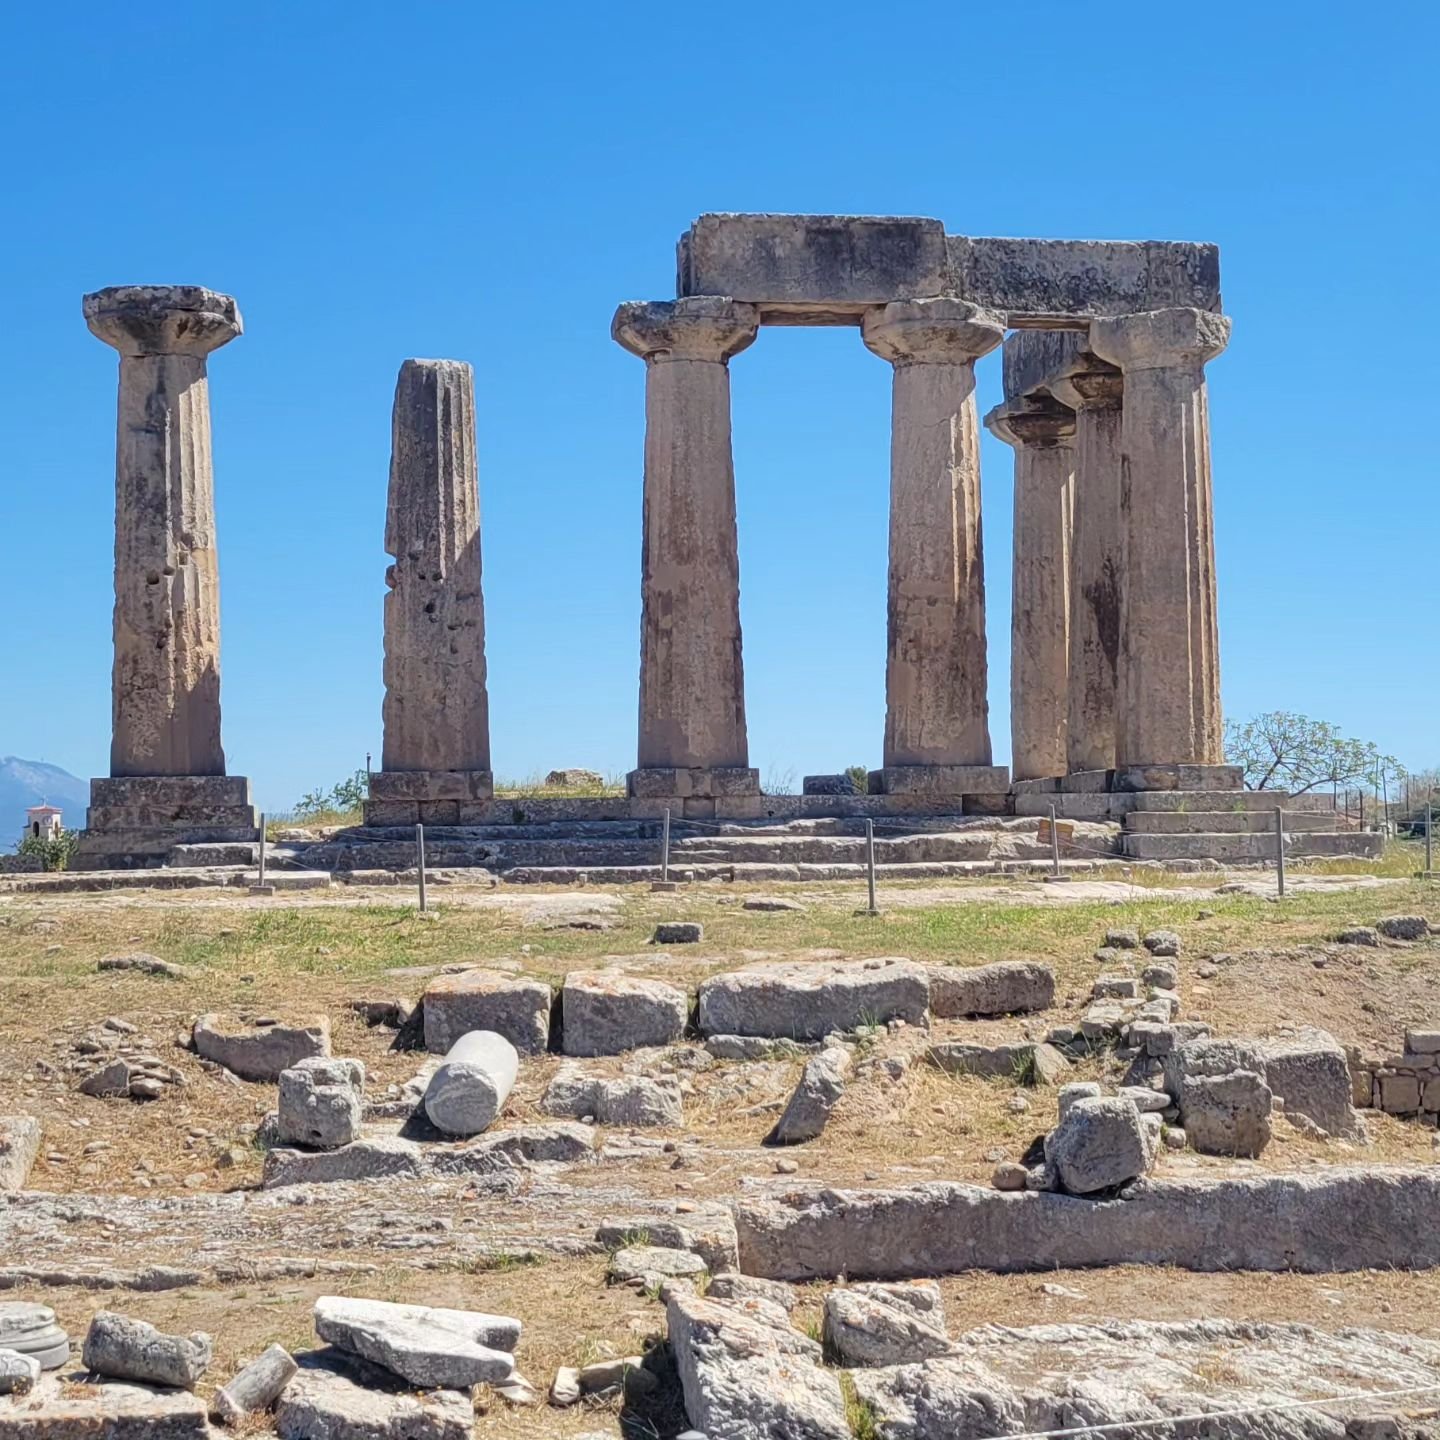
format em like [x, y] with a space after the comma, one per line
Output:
[676, 782]
[392, 812]
[1075, 807]
[1178, 777]
[1087, 782]
[1034, 281]
[996, 804]
[1032, 357]
[107, 1411]
[171, 790]
[165, 817]
[464, 785]
[812, 269]
[940, 780]
[1049, 785]
[513, 1006]
[439, 812]
[1399, 1094]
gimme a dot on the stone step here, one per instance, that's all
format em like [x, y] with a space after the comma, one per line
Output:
[1222, 822]
[1250, 847]
[1206, 800]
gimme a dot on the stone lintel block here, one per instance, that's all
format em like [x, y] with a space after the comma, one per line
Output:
[162, 319]
[1031, 357]
[432, 785]
[813, 269]
[1178, 777]
[164, 791]
[677, 782]
[1039, 281]
[940, 780]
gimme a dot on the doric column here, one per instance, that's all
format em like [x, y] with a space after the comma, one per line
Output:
[436, 752]
[166, 679]
[1170, 665]
[937, 718]
[1095, 392]
[692, 686]
[1042, 432]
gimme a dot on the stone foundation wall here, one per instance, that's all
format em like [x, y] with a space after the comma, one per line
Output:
[1407, 1085]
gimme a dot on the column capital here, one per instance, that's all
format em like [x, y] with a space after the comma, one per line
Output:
[1089, 383]
[703, 327]
[1038, 421]
[1159, 339]
[940, 331]
[163, 319]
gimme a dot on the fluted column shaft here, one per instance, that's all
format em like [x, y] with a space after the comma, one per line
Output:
[1097, 564]
[937, 710]
[165, 685]
[1170, 671]
[692, 683]
[436, 709]
[1042, 433]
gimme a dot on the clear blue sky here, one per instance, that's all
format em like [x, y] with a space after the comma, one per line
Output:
[481, 182]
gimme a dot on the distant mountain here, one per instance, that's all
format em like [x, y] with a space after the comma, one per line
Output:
[32, 782]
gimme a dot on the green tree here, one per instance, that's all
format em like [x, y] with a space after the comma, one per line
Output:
[1281, 750]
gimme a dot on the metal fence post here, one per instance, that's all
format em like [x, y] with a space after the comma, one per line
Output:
[665, 848]
[1054, 846]
[870, 862]
[262, 847]
[1280, 848]
[420, 862]
[1429, 842]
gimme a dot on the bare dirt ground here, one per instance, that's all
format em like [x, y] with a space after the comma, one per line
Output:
[123, 1185]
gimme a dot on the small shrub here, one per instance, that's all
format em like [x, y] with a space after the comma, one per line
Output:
[54, 851]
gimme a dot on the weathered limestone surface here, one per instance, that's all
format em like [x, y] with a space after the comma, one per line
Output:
[821, 1085]
[421, 1343]
[130, 1349]
[513, 1006]
[808, 1000]
[1008, 987]
[692, 686]
[436, 710]
[261, 1052]
[937, 712]
[1095, 392]
[166, 679]
[321, 1102]
[1042, 433]
[1170, 670]
[1344, 1219]
[337, 1397]
[607, 1014]
[112, 1411]
[19, 1145]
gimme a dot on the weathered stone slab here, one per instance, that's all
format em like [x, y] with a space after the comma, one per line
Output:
[513, 1006]
[384, 1158]
[424, 1344]
[648, 1266]
[108, 1412]
[19, 1374]
[335, 1397]
[807, 1001]
[607, 1014]
[869, 1326]
[711, 1237]
[526, 1145]
[128, 1349]
[625, 1100]
[967, 1057]
[263, 1051]
[19, 1145]
[745, 1373]
[1009, 987]
[821, 1085]
[1340, 1220]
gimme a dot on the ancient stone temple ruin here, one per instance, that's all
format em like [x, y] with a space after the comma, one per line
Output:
[1115, 674]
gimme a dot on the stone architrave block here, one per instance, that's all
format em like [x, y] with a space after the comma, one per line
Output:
[19, 1145]
[261, 1052]
[809, 1000]
[607, 1014]
[513, 1006]
[1009, 987]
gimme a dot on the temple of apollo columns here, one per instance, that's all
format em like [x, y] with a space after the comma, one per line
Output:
[1114, 669]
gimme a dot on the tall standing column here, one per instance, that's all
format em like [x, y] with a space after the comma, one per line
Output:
[1095, 392]
[165, 692]
[1042, 432]
[693, 740]
[436, 751]
[167, 781]
[937, 717]
[1170, 669]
